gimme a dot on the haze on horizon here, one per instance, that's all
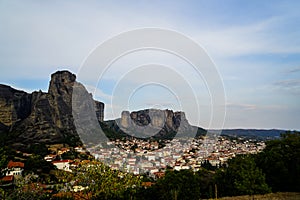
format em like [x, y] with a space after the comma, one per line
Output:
[255, 46]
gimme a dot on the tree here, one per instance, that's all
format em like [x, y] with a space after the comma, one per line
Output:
[241, 177]
[38, 149]
[280, 161]
[182, 184]
[3, 158]
[26, 188]
[206, 183]
[105, 183]
[37, 164]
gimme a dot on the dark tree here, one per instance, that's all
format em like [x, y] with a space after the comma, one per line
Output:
[241, 177]
[280, 161]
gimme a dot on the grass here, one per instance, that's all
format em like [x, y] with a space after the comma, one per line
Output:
[271, 196]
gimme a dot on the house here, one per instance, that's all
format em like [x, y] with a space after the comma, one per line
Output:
[62, 151]
[79, 150]
[50, 157]
[7, 181]
[159, 175]
[147, 184]
[63, 164]
[14, 168]
[78, 188]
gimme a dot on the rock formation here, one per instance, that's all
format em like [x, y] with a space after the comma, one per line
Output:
[48, 118]
[41, 117]
[14, 105]
[156, 123]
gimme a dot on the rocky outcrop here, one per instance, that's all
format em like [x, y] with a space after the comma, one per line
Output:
[154, 123]
[14, 105]
[42, 117]
[99, 107]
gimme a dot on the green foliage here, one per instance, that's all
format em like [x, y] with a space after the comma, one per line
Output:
[206, 181]
[38, 165]
[38, 149]
[241, 177]
[105, 183]
[207, 165]
[277, 167]
[182, 184]
[280, 161]
[74, 155]
[3, 158]
[25, 188]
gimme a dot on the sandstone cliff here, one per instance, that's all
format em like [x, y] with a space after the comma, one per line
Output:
[41, 117]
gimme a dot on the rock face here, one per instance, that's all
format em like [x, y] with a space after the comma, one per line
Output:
[48, 118]
[156, 124]
[14, 105]
[41, 117]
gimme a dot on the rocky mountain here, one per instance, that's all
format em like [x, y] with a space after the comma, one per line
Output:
[41, 117]
[47, 117]
[155, 123]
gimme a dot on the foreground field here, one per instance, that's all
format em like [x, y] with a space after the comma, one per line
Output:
[272, 196]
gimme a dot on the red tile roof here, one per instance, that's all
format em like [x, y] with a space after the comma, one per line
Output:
[12, 164]
[8, 178]
[147, 184]
[159, 174]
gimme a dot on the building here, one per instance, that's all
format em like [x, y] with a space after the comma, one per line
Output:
[63, 165]
[14, 168]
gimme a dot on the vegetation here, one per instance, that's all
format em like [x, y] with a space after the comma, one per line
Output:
[280, 161]
[3, 158]
[275, 169]
[241, 177]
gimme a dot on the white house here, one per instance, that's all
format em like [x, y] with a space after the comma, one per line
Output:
[14, 168]
[63, 165]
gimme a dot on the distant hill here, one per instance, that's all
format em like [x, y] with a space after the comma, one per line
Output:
[253, 133]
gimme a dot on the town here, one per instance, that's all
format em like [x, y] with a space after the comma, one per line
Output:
[145, 157]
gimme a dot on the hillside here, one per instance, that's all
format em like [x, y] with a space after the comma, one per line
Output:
[262, 134]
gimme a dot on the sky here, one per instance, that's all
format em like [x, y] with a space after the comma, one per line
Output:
[254, 45]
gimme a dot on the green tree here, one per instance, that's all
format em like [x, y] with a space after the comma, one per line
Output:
[105, 183]
[3, 158]
[182, 184]
[37, 164]
[38, 149]
[26, 188]
[241, 177]
[280, 161]
[206, 183]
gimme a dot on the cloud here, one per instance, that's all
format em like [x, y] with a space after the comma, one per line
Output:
[241, 106]
[291, 86]
[38, 38]
[98, 93]
[253, 107]
[294, 70]
[250, 39]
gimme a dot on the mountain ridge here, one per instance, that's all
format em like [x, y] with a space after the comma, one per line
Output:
[46, 117]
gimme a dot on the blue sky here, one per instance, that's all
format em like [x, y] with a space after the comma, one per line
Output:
[255, 46]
